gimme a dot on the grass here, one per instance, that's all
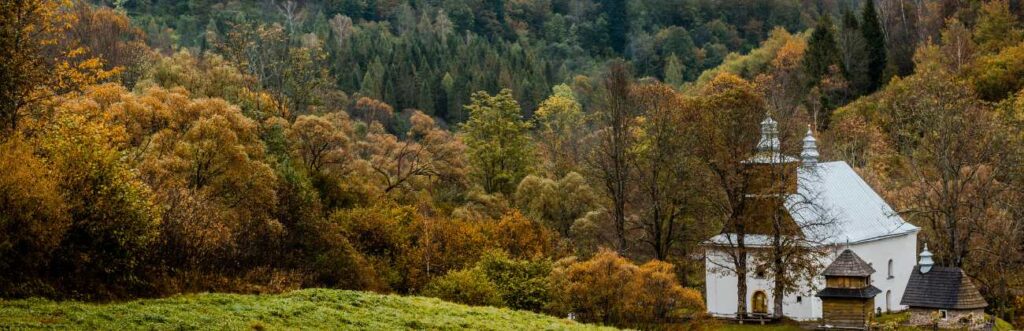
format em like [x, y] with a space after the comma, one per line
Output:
[755, 327]
[303, 309]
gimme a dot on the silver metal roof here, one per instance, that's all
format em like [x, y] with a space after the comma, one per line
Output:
[834, 206]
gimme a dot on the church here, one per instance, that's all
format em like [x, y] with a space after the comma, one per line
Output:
[859, 220]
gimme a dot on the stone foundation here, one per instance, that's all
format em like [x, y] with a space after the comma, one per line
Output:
[971, 319]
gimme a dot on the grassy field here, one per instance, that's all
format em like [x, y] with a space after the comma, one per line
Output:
[304, 309]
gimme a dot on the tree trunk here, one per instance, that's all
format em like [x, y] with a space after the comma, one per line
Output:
[741, 281]
[779, 291]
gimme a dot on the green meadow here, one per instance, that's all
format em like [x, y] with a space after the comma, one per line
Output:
[303, 309]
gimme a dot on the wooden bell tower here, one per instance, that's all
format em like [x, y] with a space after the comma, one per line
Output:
[848, 297]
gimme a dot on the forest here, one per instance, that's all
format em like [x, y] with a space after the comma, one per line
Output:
[557, 156]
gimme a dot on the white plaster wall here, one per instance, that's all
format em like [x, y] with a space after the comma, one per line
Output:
[903, 252]
[720, 285]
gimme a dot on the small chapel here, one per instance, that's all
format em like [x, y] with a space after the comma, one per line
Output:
[862, 223]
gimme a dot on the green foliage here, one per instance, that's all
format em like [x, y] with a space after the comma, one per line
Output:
[560, 121]
[496, 280]
[822, 51]
[997, 27]
[522, 284]
[748, 65]
[500, 150]
[874, 39]
[383, 234]
[999, 75]
[305, 309]
[673, 71]
[469, 286]
[557, 204]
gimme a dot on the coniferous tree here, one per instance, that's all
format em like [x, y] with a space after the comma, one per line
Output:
[875, 42]
[854, 54]
[822, 51]
[618, 23]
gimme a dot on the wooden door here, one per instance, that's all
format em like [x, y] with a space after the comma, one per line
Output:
[760, 303]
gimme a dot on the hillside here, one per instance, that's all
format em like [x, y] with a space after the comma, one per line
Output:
[303, 309]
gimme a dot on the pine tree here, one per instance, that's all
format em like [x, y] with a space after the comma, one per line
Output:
[875, 40]
[822, 51]
[373, 80]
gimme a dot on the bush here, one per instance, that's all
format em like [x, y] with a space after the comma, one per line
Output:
[521, 237]
[517, 284]
[469, 286]
[384, 235]
[522, 284]
[610, 289]
[997, 76]
[33, 218]
[113, 214]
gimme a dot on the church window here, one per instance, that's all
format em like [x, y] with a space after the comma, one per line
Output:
[890, 269]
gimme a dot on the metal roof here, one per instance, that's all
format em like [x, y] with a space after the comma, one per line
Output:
[835, 206]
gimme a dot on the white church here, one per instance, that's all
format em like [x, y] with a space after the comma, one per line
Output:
[859, 220]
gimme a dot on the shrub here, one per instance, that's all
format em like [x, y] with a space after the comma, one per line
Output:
[521, 237]
[522, 284]
[997, 76]
[469, 286]
[113, 214]
[383, 234]
[612, 290]
[34, 217]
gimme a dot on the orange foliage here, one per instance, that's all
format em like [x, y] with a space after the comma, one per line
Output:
[610, 289]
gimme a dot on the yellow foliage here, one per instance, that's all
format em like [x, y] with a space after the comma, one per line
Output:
[610, 289]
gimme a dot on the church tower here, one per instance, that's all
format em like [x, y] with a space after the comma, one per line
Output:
[770, 176]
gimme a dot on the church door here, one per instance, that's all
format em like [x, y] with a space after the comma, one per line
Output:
[760, 303]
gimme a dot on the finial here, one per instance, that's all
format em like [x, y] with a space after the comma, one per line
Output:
[769, 135]
[809, 155]
[926, 262]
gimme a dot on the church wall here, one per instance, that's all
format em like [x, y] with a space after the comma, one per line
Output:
[903, 252]
[721, 292]
[720, 295]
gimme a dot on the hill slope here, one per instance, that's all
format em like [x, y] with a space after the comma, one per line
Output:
[303, 309]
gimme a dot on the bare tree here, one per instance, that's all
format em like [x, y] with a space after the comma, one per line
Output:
[608, 159]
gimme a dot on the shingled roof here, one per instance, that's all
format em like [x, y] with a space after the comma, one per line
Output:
[849, 293]
[942, 288]
[848, 264]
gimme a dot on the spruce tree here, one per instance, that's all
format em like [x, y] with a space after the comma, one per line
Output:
[618, 23]
[822, 51]
[854, 53]
[871, 27]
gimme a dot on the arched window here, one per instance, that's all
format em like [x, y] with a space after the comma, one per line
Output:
[890, 268]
